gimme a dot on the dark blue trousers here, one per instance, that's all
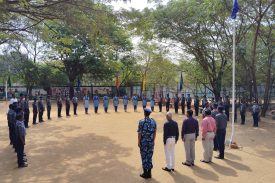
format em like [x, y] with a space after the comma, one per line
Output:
[256, 119]
[221, 139]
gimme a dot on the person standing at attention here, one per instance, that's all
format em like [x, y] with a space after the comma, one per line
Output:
[152, 103]
[115, 102]
[147, 129]
[208, 133]
[189, 134]
[86, 100]
[170, 138]
[221, 121]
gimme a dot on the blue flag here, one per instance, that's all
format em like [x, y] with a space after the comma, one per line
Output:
[181, 82]
[235, 9]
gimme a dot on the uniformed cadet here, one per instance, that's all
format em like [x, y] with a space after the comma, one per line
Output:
[20, 141]
[125, 102]
[26, 111]
[96, 103]
[115, 102]
[41, 109]
[147, 128]
[255, 114]
[105, 103]
[10, 116]
[135, 102]
[20, 102]
[167, 100]
[182, 103]
[49, 107]
[227, 106]
[152, 103]
[59, 106]
[242, 111]
[35, 110]
[86, 101]
[144, 101]
[188, 101]
[75, 103]
[176, 104]
[197, 105]
[13, 125]
[160, 103]
[68, 105]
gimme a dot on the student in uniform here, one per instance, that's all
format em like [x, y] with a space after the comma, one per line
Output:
[41, 109]
[49, 107]
[160, 102]
[152, 103]
[115, 102]
[182, 103]
[167, 100]
[68, 106]
[144, 101]
[188, 101]
[26, 111]
[75, 103]
[242, 111]
[59, 106]
[86, 102]
[146, 140]
[10, 115]
[106, 103]
[135, 102]
[176, 104]
[96, 103]
[35, 111]
[196, 105]
[20, 134]
[125, 102]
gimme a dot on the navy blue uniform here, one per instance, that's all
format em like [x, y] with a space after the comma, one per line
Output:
[35, 111]
[147, 128]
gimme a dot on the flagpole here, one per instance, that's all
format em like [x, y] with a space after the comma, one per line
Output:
[233, 81]
[6, 90]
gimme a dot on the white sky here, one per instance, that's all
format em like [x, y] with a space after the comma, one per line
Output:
[137, 4]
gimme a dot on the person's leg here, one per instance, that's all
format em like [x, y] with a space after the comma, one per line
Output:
[173, 143]
[187, 149]
[215, 143]
[221, 139]
[204, 144]
[211, 145]
[192, 148]
[167, 154]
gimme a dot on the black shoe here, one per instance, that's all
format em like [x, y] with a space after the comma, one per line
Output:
[218, 157]
[145, 174]
[186, 164]
[193, 164]
[149, 174]
[23, 165]
[205, 161]
[34, 123]
[173, 169]
[166, 169]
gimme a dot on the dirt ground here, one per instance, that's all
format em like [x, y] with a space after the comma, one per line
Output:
[103, 148]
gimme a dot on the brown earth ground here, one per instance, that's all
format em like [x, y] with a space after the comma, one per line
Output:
[103, 148]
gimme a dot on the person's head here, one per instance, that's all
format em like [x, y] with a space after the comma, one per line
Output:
[189, 113]
[169, 116]
[204, 96]
[147, 112]
[215, 105]
[208, 112]
[26, 96]
[18, 110]
[220, 98]
[12, 95]
[167, 95]
[220, 109]
[10, 106]
[19, 117]
[40, 98]
[48, 96]
[21, 95]
[34, 99]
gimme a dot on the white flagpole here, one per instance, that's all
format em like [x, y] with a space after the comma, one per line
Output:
[6, 90]
[233, 81]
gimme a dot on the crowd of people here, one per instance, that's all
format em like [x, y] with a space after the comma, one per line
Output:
[213, 128]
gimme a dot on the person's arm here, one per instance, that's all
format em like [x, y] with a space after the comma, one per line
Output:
[204, 129]
[139, 139]
[164, 133]
[177, 132]
[182, 131]
[197, 129]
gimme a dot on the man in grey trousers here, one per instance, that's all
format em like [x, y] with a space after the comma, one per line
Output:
[189, 134]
